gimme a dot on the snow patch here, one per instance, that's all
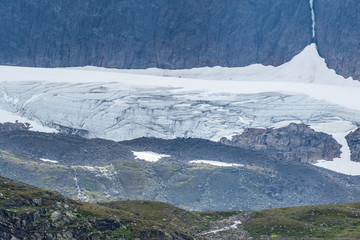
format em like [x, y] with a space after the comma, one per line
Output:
[48, 160]
[216, 163]
[6, 116]
[234, 226]
[339, 130]
[285, 123]
[229, 133]
[149, 156]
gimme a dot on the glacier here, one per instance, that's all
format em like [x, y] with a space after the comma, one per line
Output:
[207, 103]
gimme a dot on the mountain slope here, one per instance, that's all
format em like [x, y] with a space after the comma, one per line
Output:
[230, 178]
[30, 213]
[27, 212]
[315, 222]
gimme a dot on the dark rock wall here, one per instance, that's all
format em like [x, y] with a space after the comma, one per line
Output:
[159, 33]
[338, 35]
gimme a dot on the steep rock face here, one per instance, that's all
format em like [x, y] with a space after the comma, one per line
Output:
[141, 34]
[353, 140]
[338, 35]
[296, 142]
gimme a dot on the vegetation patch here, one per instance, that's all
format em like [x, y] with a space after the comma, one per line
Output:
[326, 221]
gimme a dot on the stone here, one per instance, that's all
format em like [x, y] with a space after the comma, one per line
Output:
[56, 216]
[37, 201]
[70, 215]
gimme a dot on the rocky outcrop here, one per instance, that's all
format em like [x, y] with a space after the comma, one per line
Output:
[296, 142]
[353, 140]
[159, 33]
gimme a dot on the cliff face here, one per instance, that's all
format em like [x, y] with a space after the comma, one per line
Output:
[338, 35]
[176, 34]
[160, 33]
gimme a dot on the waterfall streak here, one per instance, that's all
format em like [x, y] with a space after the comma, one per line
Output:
[312, 17]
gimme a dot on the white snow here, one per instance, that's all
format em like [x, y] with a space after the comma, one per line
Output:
[6, 116]
[149, 156]
[216, 163]
[234, 226]
[282, 124]
[229, 133]
[48, 160]
[339, 130]
[306, 67]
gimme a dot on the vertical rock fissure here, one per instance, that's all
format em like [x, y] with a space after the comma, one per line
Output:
[312, 18]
